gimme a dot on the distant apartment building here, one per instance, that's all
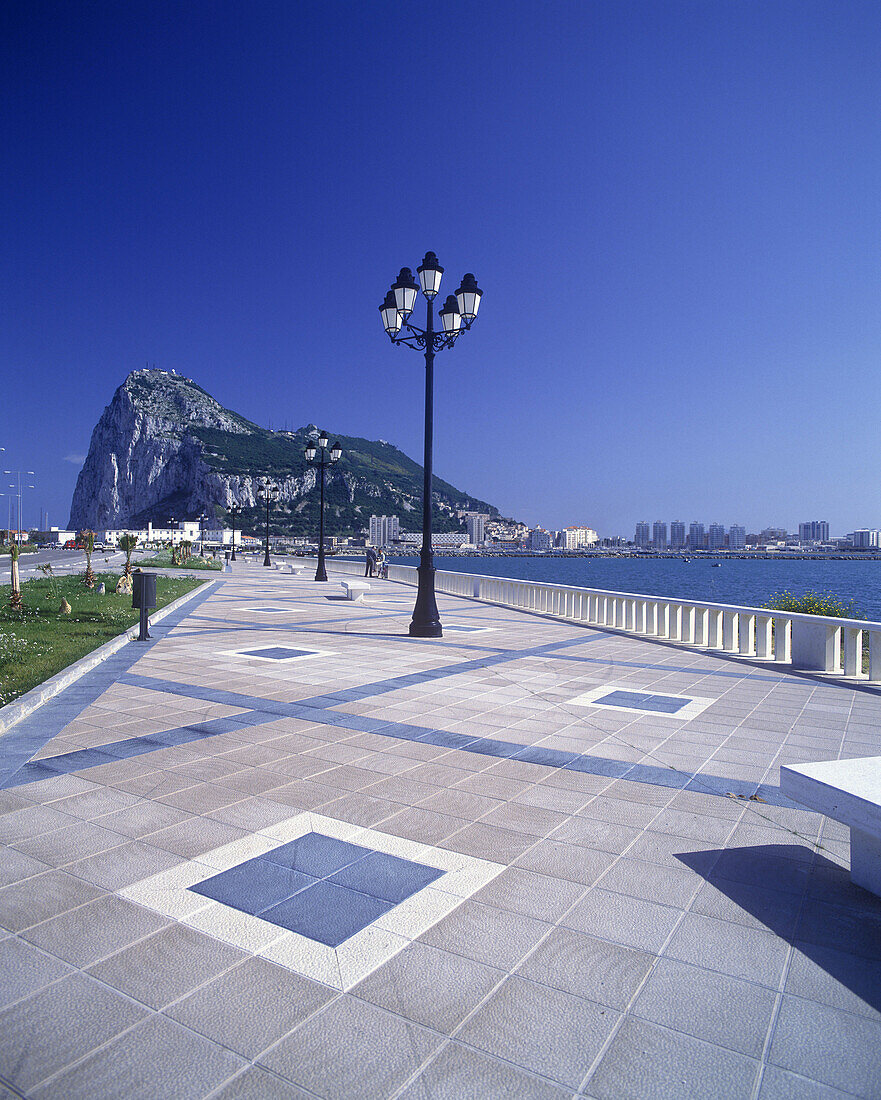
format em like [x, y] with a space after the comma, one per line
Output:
[643, 534]
[677, 535]
[448, 539]
[773, 534]
[696, 536]
[816, 530]
[475, 522]
[864, 539]
[736, 537]
[716, 537]
[577, 538]
[539, 539]
[384, 530]
[659, 535]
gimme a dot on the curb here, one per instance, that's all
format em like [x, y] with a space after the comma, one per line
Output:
[42, 693]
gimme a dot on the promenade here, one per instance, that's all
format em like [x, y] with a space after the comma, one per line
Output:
[285, 851]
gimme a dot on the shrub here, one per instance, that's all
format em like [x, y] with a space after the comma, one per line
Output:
[814, 603]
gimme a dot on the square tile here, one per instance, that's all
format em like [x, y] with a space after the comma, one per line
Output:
[541, 1029]
[647, 1060]
[326, 913]
[624, 698]
[354, 1050]
[253, 886]
[388, 878]
[276, 653]
[354, 930]
[317, 855]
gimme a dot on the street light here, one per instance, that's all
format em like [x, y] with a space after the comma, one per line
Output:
[18, 487]
[270, 492]
[457, 316]
[202, 519]
[321, 459]
[232, 512]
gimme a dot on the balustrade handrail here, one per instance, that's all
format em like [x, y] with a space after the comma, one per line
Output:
[821, 643]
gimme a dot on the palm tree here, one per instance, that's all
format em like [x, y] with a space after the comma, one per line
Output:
[127, 543]
[15, 595]
[89, 546]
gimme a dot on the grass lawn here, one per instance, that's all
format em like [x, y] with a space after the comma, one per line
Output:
[162, 560]
[39, 641]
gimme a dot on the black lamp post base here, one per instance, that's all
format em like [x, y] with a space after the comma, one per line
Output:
[426, 618]
[266, 561]
[426, 630]
[320, 573]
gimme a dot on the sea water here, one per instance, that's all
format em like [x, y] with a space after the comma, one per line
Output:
[747, 582]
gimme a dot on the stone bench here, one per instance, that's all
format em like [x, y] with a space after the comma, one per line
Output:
[850, 792]
[355, 589]
[295, 569]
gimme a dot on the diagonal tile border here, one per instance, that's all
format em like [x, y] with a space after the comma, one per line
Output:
[342, 967]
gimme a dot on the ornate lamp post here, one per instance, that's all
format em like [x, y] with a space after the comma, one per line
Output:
[457, 315]
[233, 512]
[270, 492]
[202, 519]
[319, 457]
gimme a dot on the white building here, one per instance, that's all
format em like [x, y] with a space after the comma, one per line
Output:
[643, 534]
[716, 537]
[864, 539]
[815, 530]
[447, 539]
[475, 522]
[384, 530]
[677, 534]
[736, 537]
[577, 538]
[539, 539]
[659, 535]
[696, 536]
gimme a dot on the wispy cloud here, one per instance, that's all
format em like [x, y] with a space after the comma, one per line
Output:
[77, 460]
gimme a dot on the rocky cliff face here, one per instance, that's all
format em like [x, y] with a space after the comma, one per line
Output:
[143, 451]
[165, 448]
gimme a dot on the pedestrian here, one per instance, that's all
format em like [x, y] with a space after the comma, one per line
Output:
[371, 562]
[381, 565]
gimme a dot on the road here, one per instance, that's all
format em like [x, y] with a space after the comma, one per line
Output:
[63, 562]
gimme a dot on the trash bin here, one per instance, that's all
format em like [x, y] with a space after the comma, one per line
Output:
[143, 590]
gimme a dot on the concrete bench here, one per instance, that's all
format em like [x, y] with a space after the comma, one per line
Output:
[850, 792]
[295, 569]
[355, 589]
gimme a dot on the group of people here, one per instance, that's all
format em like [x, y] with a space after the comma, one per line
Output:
[377, 564]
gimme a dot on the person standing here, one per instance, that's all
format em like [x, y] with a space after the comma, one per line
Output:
[371, 562]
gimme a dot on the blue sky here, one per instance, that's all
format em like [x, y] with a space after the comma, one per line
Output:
[673, 209]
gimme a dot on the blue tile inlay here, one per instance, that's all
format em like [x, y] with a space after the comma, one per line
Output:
[386, 877]
[254, 886]
[317, 855]
[276, 653]
[321, 887]
[641, 700]
[327, 913]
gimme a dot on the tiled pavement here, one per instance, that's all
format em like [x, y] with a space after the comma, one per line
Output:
[519, 861]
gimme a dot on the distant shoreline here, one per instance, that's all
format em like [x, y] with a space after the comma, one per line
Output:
[696, 556]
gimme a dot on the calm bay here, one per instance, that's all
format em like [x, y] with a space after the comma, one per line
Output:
[737, 581]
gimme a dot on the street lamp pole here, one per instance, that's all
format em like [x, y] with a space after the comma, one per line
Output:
[269, 491]
[233, 512]
[17, 473]
[202, 535]
[321, 459]
[457, 315]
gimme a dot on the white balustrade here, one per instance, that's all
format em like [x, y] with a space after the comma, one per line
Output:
[812, 643]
